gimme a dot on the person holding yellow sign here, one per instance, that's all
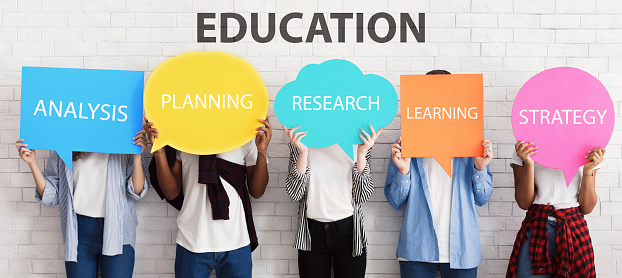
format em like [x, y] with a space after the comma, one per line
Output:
[216, 228]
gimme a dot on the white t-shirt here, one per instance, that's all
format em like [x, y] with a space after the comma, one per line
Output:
[551, 185]
[198, 231]
[329, 193]
[441, 188]
[89, 184]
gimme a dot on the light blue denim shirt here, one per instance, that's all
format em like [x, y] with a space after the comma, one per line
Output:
[120, 222]
[418, 240]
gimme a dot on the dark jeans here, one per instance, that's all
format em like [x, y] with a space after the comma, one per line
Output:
[524, 260]
[90, 242]
[429, 270]
[331, 242]
[230, 264]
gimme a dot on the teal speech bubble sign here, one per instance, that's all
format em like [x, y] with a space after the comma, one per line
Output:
[332, 101]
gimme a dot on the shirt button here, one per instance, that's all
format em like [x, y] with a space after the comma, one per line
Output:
[326, 226]
[477, 176]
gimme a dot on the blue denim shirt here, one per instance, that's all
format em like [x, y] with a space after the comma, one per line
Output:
[418, 240]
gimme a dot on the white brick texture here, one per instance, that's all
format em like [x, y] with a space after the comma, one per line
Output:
[507, 40]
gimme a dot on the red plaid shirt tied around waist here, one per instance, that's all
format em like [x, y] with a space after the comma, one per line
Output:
[574, 255]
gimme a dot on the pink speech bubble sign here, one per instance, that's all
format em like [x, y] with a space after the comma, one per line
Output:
[580, 117]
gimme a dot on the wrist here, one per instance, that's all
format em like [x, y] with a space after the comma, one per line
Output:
[262, 154]
[33, 165]
[588, 172]
[404, 171]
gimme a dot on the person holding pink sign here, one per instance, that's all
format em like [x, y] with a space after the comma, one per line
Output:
[96, 203]
[554, 239]
[561, 119]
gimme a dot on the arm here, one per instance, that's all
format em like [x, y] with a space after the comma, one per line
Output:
[397, 185]
[587, 193]
[524, 186]
[136, 180]
[481, 178]
[362, 183]
[46, 190]
[482, 185]
[169, 178]
[295, 182]
[257, 176]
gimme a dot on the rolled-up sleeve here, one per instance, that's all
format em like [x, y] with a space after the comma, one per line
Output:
[129, 172]
[362, 183]
[482, 185]
[397, 187]
[50, 192]
[295, 183]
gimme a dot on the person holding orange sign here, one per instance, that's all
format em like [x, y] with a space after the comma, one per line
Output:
[440, 231]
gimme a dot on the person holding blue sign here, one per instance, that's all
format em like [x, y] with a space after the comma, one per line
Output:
[440, 231]
[215, 222]
[330, 188]
[96, 202]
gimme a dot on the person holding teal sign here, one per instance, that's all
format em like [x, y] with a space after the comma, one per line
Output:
[330, 188]
[328, 175]
[96, 202]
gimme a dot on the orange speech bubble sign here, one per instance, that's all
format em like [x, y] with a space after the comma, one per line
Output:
[442, 116]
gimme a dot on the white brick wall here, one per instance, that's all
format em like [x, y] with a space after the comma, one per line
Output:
[509, 41]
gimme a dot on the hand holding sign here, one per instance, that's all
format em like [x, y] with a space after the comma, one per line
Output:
[81, 110]
[442, 117]
[565, 112]
[332, 101]
[205, 102]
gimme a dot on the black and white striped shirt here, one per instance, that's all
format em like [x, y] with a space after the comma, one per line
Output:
[362, 188]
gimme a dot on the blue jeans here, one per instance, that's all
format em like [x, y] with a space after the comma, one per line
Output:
[231, 264]
[429, 270]
[90, 242]
[524, 260]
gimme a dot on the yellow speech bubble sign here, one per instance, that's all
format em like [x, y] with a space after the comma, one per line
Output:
[205, 102]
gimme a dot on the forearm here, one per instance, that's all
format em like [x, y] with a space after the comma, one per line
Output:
[138, 176]
[361, 161]
[525, 189]
[301, 162]
[38, 176]
[166, 179]
[587, 193]
[260, 178]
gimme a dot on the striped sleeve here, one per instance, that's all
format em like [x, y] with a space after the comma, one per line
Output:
[50, 192]
[362, 184]
[295, 182]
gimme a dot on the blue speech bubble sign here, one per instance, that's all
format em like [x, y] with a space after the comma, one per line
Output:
[332, 101]
[82, 110]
